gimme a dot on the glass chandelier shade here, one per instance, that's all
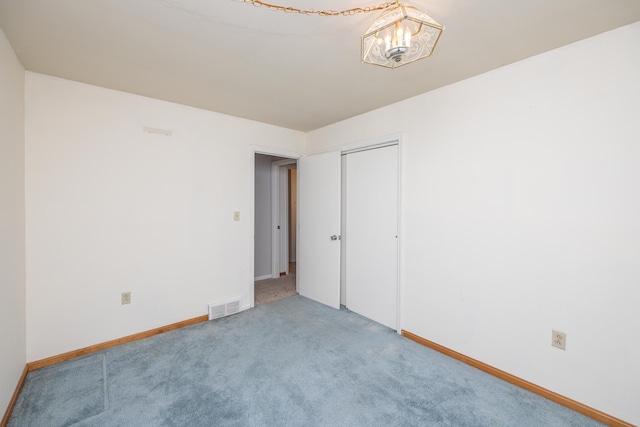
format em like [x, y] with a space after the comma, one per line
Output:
[399, 36]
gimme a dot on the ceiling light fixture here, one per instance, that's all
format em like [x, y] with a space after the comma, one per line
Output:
[401, 35]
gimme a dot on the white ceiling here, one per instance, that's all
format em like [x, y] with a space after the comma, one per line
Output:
[297, 71]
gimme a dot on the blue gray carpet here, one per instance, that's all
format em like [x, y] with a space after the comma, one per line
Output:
[292, 362]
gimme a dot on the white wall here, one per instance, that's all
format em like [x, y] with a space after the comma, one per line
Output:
[110, 208]
[262, 232]
[12, 267]
[521, 207]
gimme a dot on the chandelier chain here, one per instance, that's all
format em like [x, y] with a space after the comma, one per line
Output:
[328, 12]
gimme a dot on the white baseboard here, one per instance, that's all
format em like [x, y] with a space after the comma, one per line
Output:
[245, 307]
[268, 276]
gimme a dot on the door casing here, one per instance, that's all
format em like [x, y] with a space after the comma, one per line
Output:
[269, 152]
[280, 217]
[392, 139]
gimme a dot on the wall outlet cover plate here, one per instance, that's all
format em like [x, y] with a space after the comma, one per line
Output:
[559, 339]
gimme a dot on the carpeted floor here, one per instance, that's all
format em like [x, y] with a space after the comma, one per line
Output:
[64, 394]
[292, 362]
[270, 290]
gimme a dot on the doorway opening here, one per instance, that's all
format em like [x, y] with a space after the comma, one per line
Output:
[275, 226]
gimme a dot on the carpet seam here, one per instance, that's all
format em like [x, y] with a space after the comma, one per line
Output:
[14, 397]
[104, 380]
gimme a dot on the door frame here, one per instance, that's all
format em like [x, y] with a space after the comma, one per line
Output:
[378, 143]
[279, 216]
[255, 149]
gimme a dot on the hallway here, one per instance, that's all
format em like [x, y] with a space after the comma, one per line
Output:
[270, 290]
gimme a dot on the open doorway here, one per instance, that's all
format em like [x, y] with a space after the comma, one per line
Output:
[275, 215]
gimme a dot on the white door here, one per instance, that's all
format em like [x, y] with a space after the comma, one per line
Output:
[319, 228]
[371, 234]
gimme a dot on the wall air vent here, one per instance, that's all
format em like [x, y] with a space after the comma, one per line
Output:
[233, 307]
[223, 309]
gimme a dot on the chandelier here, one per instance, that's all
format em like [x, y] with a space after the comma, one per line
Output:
[401, 35]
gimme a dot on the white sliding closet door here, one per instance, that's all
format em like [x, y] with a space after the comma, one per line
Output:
[371, 234]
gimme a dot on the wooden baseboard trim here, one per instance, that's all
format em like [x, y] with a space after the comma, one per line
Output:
[12, 402]
[32, 366]
[547, 394]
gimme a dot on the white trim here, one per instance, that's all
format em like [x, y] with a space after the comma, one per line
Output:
[343, 233]
[371, 143]
[356, 146]
[277, 153]
[369, 147]
[252, 225]
[400, 318]
[276, 216]
[283, 244]
[265, 277]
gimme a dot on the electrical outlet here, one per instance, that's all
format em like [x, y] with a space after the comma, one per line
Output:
[236, 216]
[126, 298]
[559, 339]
